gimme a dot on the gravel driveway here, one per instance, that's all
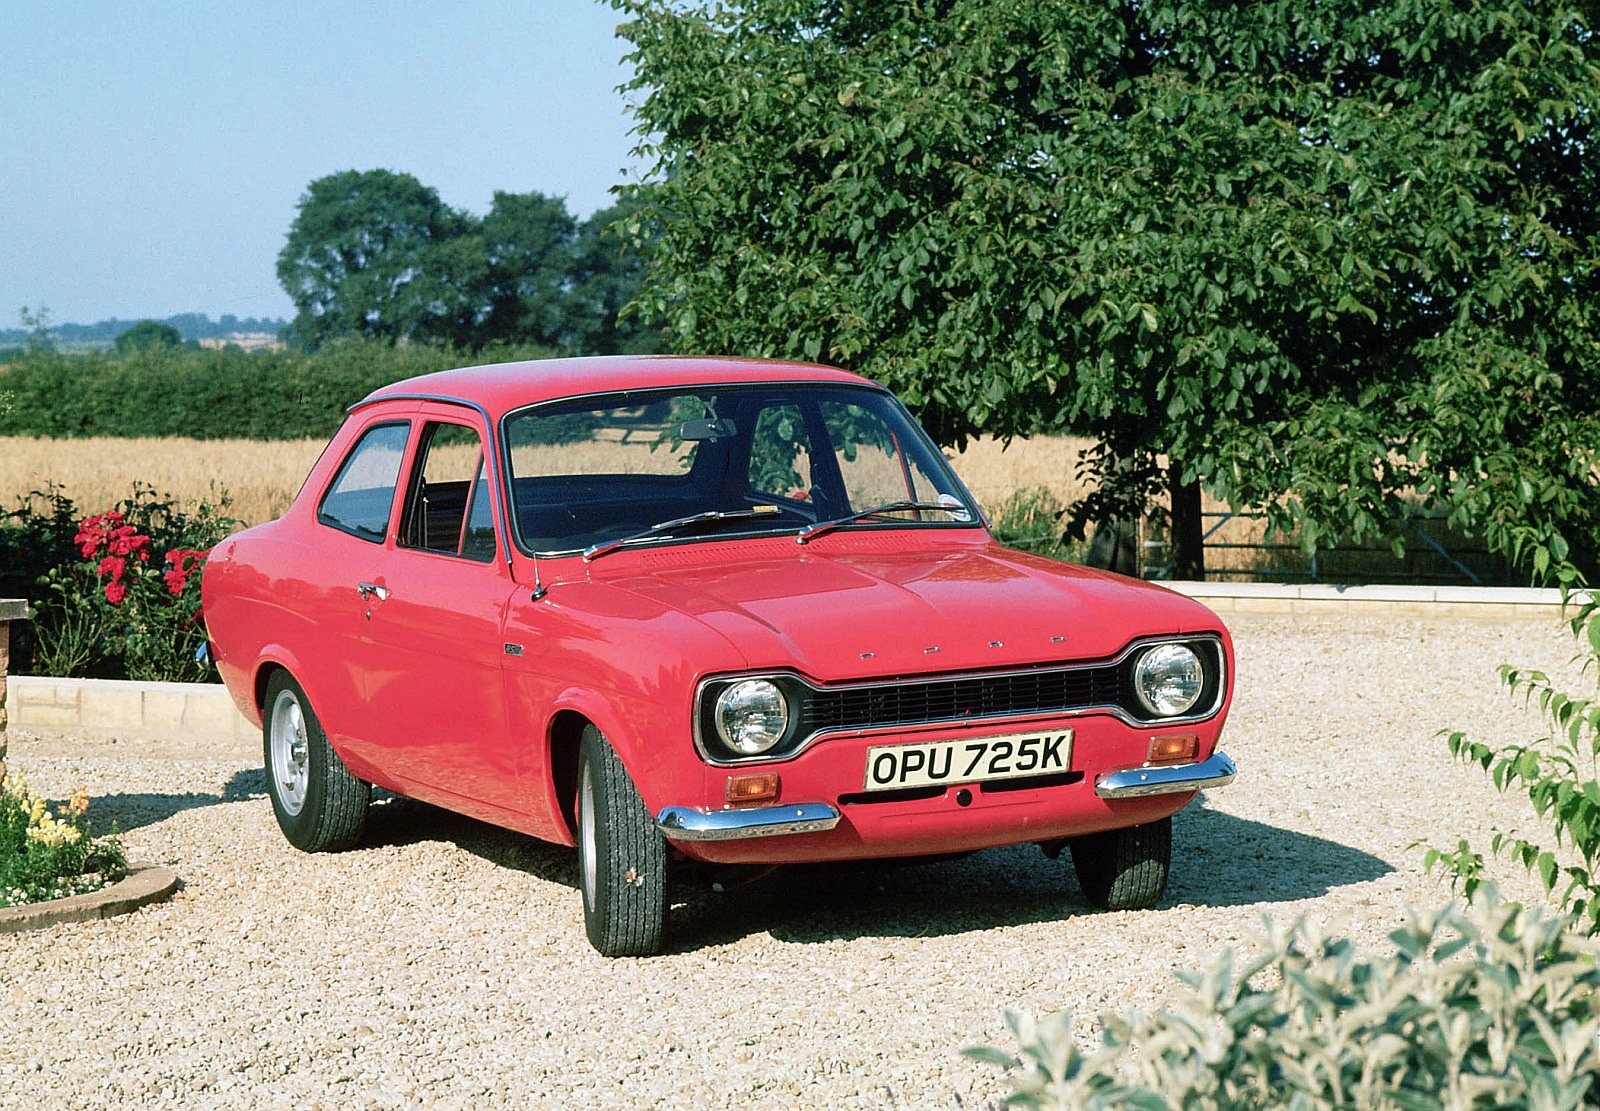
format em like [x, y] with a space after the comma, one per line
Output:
[443, 963]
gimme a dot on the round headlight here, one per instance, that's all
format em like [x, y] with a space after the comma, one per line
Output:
[752, 716]
[1168, 679]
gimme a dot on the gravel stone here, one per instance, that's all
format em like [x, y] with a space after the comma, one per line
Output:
[442, 964]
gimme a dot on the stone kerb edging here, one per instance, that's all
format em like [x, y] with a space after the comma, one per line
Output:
[1487, 602]
[194, 715]
[144, 884]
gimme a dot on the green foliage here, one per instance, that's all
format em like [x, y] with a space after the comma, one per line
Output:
[1341, 260]
[1558, 774]
[1489, 1008]
[1031, 519]
[51, 855]
[378, 254]
[37, 323]
[118, 592]
[212, 394]
[363, 258]
[147, 334]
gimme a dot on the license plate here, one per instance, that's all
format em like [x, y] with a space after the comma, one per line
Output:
[974, 760]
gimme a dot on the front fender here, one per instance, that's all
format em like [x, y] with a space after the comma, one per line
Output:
[626, 664]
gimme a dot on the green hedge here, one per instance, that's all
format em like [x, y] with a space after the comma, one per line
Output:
[212, 394]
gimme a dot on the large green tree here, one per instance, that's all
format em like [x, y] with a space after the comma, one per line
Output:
[376, 253]
[1335, 259]
[368, 254]
[528, 239]
[607, 275]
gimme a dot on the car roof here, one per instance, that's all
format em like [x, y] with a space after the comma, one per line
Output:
[501, 387]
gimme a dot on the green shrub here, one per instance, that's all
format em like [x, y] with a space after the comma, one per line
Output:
[1493, 1007]
[1558, 774]
[1030, 518]
[119, 591]
[51, 855]
[213, 394]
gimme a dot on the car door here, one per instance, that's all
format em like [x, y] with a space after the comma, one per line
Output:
[323, 583]
[434, 663]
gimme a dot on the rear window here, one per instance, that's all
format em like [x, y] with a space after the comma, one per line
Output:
[361, 495]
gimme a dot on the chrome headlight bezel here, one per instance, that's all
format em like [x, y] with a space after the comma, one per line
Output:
[1169, 680]
[751, 717]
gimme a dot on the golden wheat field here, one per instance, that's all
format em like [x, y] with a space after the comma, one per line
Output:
[261, 478]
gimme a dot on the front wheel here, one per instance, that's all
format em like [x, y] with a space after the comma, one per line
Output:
[622, 857]
[1124, 869]
[319, 805]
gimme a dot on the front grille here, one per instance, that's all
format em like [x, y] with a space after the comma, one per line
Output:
[1014, 694]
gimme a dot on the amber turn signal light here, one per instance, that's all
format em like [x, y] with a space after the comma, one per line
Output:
[746, 789]
[1174, 749]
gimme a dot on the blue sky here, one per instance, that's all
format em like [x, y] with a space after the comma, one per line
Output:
[151, 155]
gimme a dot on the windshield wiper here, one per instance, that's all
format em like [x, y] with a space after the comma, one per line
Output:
[595, 551]
[887, 507]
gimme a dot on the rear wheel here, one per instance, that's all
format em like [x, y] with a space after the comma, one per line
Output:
[319, 805]
[1124, 869]
[622, 857]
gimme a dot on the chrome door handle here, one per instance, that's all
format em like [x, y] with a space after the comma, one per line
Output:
[368, 591]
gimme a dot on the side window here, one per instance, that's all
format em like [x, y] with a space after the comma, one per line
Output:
[447, 506]
[361, 494]
[780, 454]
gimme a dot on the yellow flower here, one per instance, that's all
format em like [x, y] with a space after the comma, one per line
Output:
[78, 803]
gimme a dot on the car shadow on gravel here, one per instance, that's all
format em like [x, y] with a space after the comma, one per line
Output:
[1218, 860]
[135, 810]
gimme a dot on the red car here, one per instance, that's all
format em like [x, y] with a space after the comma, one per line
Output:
[724, 610]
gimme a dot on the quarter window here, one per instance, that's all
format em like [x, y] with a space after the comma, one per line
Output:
[447, 506]
[361, 495]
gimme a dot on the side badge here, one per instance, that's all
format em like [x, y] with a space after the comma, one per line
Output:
[513, 649]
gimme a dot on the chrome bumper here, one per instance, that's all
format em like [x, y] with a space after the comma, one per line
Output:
[683, 823]
[1173, 779]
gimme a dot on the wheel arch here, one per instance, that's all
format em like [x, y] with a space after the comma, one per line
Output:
[565, 739]
[275, 658]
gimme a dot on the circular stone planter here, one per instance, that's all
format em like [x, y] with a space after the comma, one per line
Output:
[144, 884]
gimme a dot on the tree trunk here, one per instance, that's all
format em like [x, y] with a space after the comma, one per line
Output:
[1188, 527]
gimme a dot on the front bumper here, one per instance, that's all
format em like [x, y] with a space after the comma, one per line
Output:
[683, 823]
[1174, 779]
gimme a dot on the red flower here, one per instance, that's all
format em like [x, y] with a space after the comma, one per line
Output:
[113, 566]
[184, 562]
[124, 541]
[94, 531]
[115, 593]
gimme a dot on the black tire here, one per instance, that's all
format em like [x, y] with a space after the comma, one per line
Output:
[319, 805]
[1124, 869]
[622, 857]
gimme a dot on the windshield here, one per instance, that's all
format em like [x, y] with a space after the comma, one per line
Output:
[629, 466]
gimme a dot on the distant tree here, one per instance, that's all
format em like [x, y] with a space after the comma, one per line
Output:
[527, 242]
[1338, 260]
[367, 255]
[148, 334]
[40, 333]
[607, 275]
